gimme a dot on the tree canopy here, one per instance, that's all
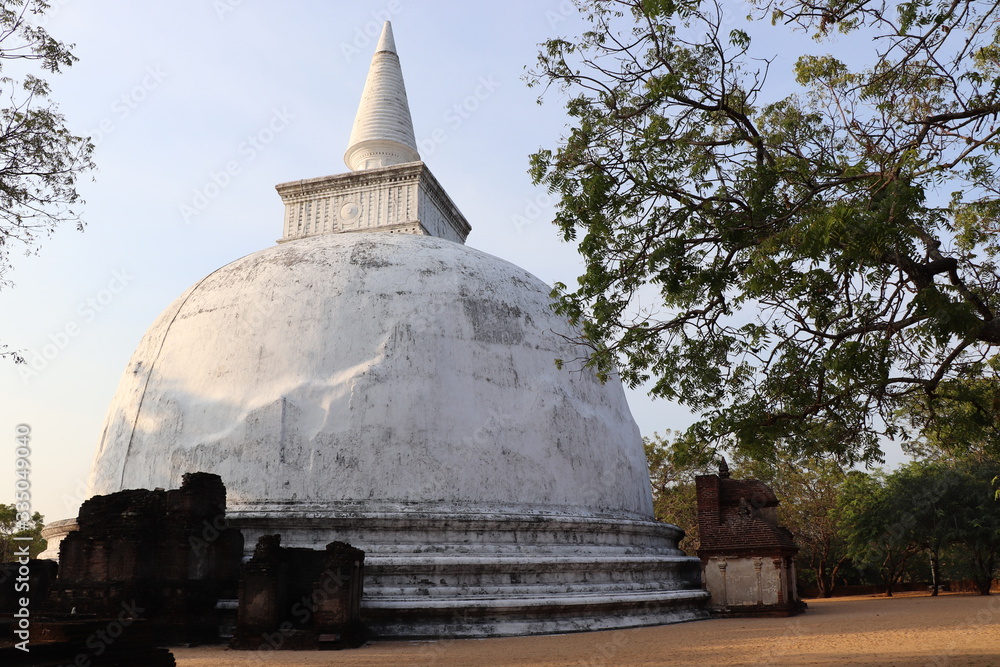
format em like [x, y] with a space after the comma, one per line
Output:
[945, 510]
[674, 463]
[796, 267]
[9, 529]
[40, 159]
[962, 422]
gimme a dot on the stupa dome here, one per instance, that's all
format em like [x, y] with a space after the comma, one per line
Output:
[380, 367]
[373, 380]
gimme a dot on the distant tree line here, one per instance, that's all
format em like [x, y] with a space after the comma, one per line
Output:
[933, 520]
[8, 531]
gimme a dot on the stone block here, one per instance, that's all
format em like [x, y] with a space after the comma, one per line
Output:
[300, 598]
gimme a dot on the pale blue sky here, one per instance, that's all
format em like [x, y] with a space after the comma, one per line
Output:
[173, 92]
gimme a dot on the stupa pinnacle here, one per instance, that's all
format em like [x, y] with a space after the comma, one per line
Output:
[383, 130]
[389, 189]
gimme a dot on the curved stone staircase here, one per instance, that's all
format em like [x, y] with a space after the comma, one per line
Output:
[491, 571]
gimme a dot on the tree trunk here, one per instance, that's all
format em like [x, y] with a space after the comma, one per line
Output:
[889, 575]
[888, 579]
[935, 572]
[821, 586]
[833, 577]
[985, 566]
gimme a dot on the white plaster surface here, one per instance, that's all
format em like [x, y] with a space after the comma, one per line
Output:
[399, 392]
[383, 129]
[372, 367]
[403, 198]
[747, 581]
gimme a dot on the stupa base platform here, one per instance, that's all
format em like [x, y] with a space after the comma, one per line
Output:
[513, 615]
[443, 571]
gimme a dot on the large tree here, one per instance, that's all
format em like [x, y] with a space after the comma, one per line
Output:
[40, 159]
[791, 266]
[977, 515]
[933, 509]
[877, 526]
[945, 509]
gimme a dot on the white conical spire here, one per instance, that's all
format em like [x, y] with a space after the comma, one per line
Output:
[383, 130]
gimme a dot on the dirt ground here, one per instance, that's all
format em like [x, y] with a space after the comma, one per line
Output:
[909, 629]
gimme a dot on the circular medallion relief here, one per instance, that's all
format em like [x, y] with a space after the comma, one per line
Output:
[350, 212]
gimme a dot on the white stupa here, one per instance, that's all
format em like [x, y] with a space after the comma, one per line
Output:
[373, 380]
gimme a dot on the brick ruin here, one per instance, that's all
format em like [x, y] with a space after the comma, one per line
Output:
[144, 569]
[293, 598]
[168, 553]
[748, 560]
[159, 568]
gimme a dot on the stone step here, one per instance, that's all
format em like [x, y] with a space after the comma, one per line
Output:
[472, 548]
[522, 590]
[526, 615]
[523, 561]
[500, 570]
[489, 571]
[515, 602]
[465, 575]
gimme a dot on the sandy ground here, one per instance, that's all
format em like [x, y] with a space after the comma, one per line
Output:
[910, 629]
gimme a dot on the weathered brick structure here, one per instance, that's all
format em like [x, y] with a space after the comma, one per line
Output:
[293, 598]
[748, 560]
[166, 553]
